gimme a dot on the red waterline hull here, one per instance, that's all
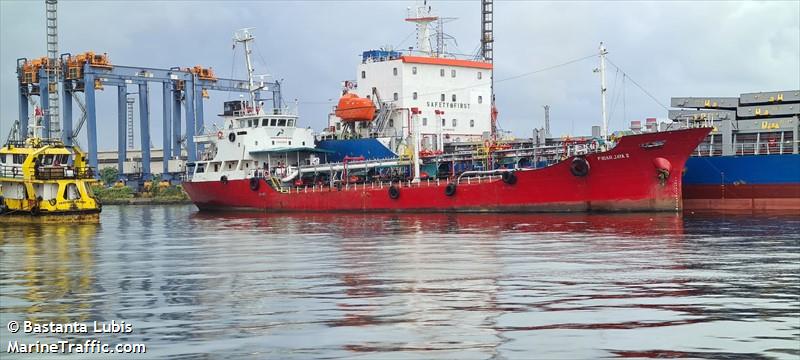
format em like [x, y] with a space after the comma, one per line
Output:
[759, 197]
[622, 179]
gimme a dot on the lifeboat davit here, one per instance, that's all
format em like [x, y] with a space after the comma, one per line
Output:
[353, 108]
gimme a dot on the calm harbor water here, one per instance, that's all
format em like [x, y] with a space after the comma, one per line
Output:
[461, 286]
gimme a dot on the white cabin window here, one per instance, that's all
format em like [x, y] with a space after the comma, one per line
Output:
[472, 123]
[452, 73]
[363, 74]
[424, 121]
[455, 122]
[442, 97]
[441, 72]
[391, 122]
[395, 96]
[444, 122]
[480, 99]
[414, 70]
[414, 95]
[480, 75]
[454, 97]
[394, 71]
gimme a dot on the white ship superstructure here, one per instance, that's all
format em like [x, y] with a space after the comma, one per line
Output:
[453, 95]
[253, 141]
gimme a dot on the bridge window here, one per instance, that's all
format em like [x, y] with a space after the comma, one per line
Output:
[273, 122]
[290, 123]
[281, 122]
[264, 122]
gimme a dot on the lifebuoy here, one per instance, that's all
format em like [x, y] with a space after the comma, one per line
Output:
[223, 179]
[579, 167]
[450, 189]
[509, 178]
[220, 135]
[254, 184]
[394, 192]
[232, 137]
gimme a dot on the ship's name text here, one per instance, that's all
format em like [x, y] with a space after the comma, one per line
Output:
[614, 156]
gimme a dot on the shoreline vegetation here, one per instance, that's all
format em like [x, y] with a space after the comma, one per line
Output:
[154, 192]
[157, 195]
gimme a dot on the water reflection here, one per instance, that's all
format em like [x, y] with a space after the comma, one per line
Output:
[417, 285]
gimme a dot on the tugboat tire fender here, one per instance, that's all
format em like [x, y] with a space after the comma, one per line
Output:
[254, 184]
[450, 189]
[509, 178]
[394, 192]
[579, 167]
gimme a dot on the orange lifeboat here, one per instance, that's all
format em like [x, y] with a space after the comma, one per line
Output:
[352, 108]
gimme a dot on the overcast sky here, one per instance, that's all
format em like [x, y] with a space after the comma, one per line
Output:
[671, 48]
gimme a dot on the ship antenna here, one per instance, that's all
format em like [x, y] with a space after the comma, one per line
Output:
[245, 37]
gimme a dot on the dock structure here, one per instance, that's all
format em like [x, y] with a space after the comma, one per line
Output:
[752, 124]
[181, 88]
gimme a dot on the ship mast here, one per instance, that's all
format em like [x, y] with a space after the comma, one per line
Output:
[244, 36]
[603, 90]
[422, 17]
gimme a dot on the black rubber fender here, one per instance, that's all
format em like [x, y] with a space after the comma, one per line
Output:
[232, 137]
[254, 184]
[394, 192]
[223, 179]
[509, 178]
[450, 189]
[579, 167]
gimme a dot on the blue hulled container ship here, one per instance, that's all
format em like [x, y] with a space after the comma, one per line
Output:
[750, 161]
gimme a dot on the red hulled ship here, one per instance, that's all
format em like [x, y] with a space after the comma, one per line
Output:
[641, 173]
[262, 160]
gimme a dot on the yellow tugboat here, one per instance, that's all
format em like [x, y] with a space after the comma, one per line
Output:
[44, 181]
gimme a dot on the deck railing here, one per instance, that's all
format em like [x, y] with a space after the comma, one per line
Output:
[48, 172]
